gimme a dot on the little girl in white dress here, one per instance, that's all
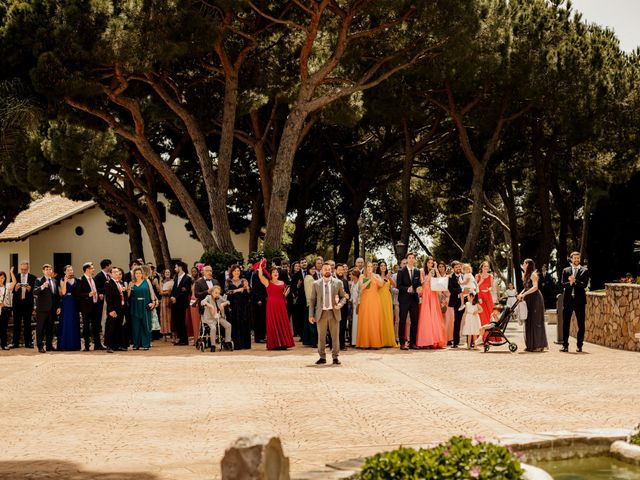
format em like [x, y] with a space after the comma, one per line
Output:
[472, 322]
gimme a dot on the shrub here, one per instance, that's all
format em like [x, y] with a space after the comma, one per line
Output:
[459, 458]
[634, 438]
[220, 261]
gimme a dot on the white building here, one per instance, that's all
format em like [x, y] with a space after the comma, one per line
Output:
[59, 231]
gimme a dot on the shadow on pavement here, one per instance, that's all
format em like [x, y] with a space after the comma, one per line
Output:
[56, 469]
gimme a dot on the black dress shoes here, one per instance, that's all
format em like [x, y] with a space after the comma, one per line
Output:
[110, 350]
[4, 347]
[41, 350]
[579, 349]
[28, 346]
[99, 347]
[564, 349]
[321, 361]
[85, 349]
[337, 362]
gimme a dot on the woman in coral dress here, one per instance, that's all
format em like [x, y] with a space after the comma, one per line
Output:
[370, 311]
[449, 317]
[431, 332]
[386, 302]
[279, 332]
[485, 293]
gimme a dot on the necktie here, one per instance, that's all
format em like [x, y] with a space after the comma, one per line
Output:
[327, 297]
[53, 290]
[93, 288]
[121, 294]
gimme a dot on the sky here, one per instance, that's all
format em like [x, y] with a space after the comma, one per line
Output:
[623, 16]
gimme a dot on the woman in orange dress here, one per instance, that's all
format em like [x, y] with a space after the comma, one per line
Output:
[431, 333]
[485, 296]
[370, 310]
[386, 302]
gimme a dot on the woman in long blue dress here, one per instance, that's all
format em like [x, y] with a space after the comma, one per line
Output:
[142, 300]
[69, 327]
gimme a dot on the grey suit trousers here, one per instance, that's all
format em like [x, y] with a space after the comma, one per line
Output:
[328, 319]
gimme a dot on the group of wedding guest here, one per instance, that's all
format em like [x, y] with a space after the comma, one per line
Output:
[364, 306]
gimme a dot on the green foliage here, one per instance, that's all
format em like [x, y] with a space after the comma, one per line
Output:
[220, 261]
[634, 438]
[459, 458]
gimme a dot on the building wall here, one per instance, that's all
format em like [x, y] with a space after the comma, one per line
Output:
[7, 248]
[93, 245]
[97, 243]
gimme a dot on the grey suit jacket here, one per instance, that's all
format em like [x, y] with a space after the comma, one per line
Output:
[315, 302]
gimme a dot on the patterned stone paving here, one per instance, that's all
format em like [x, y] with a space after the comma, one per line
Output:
[169, 413]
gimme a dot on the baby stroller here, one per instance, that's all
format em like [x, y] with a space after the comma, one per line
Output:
[494, 335]
[212, 342]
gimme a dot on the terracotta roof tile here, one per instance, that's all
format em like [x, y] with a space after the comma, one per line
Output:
[42, 213]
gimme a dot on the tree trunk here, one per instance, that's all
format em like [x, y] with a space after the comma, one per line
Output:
[160, 232]
[182, 194]
[356, 243]
[350, 232]
[405, 229]
[135, 236]
[563, 230]
[475, 223]
[585, 223]
[282, 179]
[300, 231]
[542, 190]
[154, 240]
[218, 198]
[508, 199]
[256, 223]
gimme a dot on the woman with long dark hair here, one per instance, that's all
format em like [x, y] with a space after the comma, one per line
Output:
[386, 302]
[431, 332]
[535, 335]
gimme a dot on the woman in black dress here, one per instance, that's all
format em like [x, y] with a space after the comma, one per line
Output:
[535, 335]
[239, 313]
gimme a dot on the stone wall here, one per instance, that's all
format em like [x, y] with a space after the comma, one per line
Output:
[613, 317]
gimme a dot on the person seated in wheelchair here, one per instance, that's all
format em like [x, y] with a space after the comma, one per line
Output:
[214, 314]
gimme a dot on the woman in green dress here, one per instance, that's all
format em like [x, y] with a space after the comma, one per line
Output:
[142, 300]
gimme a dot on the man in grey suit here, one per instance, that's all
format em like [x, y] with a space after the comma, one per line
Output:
[327, 298]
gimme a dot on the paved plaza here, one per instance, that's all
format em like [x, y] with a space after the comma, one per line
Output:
[170, 413]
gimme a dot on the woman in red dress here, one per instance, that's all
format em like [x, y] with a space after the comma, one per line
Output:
[485, 286]
[279, 333]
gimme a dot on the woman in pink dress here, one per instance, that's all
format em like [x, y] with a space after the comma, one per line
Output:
[431, 333]
[279, 333]
[485, 296]
[449, 316]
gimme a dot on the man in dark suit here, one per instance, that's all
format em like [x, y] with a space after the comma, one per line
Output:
[47, 298]
[341, 274]
[203, 284]
[575, 280]
[115, 304]
[180, 302]
[101, 278]
[300, 305]
[454, 300]
[90, 308]
[408, 290]
[23, 306]
[258, 308]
